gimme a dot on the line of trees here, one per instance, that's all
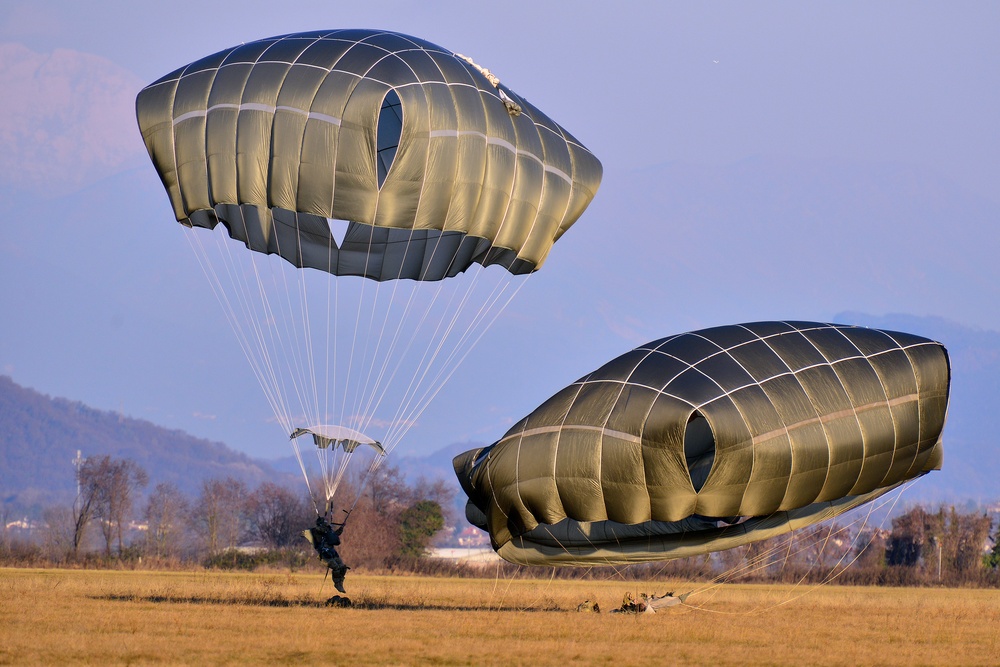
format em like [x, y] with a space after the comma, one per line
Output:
[227, 524]
[945, 546]
[923, 547]
[391, 523]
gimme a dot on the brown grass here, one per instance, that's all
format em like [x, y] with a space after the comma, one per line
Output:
[101, 617]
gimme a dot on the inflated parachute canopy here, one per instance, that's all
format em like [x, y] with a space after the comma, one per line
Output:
[435, 163]
[709, 440]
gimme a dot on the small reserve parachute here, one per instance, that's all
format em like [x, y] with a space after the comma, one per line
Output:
[408, 193]
[710, 440]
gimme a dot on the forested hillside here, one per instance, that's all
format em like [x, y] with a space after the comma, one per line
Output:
[40, 437]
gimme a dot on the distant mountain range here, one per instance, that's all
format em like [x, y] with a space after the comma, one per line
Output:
[40, 435]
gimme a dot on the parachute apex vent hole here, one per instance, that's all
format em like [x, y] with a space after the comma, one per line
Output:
[390, 127]
[699, 449]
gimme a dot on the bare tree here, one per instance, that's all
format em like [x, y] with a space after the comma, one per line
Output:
[88, 479]
[906, 542]
[115, 483]
[387, 490]
[379, 504]
[436, 490]
[370, 538]
[59, 534]
[166, 514]
[219, 514]
[4, 517]
[277, 516]
[960, 540]
[869, 548]
[375, 502]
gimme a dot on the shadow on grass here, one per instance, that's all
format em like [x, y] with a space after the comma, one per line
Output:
[365, 605]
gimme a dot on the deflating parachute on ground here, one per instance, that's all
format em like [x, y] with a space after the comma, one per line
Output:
[710, 440]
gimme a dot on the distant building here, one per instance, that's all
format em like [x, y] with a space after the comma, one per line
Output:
[472, 537]
[19, 524]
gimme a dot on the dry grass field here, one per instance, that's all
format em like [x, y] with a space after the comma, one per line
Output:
[101, 617]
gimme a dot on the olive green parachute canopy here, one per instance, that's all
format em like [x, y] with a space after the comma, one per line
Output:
[435, 164]
[709, 440]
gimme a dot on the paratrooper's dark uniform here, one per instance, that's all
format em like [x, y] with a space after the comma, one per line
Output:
[326, 539]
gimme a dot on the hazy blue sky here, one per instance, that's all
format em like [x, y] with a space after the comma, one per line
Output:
[851, 150]
[643, 82]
